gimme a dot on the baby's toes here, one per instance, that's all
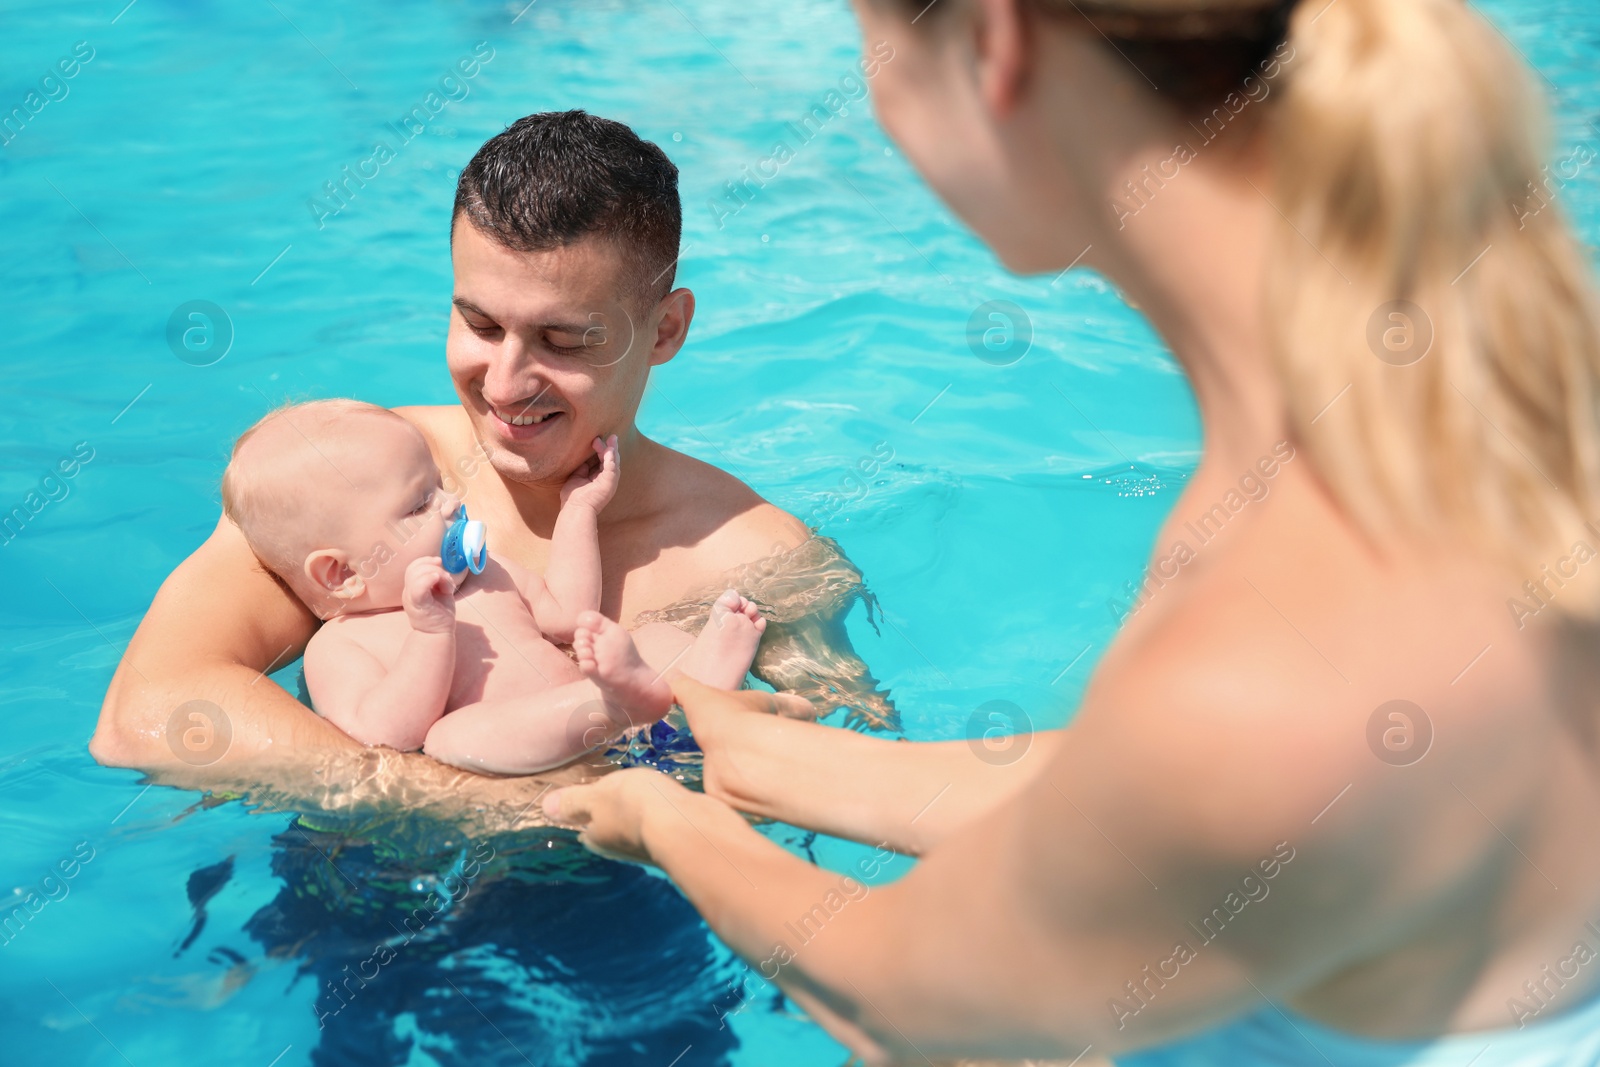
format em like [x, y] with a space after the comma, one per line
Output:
[588, 623]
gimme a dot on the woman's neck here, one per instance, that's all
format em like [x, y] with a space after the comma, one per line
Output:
[1193, 260]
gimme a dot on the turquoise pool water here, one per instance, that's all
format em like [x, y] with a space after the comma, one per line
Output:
[185, 159]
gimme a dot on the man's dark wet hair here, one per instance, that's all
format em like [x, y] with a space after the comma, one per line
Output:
[560, 176]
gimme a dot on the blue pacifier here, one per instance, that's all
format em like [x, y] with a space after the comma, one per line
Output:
[465, 546]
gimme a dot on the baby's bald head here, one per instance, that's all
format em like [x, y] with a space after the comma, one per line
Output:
[299, 473]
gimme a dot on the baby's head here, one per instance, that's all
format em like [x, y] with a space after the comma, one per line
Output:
[337, 497]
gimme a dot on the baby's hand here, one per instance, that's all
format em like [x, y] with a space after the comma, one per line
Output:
[595, 483]
[429, 596]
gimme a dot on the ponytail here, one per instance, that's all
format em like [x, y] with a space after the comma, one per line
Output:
[1429, 311]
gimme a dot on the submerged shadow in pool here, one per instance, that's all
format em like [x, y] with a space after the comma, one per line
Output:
[516, 951]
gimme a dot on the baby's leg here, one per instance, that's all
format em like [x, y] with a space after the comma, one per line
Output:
[548, 729]
[608, 657]
[544, 730]
[720, 656]
[662, 645]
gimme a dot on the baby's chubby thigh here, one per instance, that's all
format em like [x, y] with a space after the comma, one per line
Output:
[507, 661]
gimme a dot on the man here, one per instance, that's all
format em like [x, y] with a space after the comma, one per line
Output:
[564, 240]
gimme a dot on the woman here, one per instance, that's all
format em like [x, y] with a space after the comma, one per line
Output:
[1332, 792]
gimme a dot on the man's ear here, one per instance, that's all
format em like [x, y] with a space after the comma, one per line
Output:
[330, 574]
[675, 311]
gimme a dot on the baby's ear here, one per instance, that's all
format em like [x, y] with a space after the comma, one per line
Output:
[330, 573]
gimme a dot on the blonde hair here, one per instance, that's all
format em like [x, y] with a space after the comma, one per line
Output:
[1409, 144]
[259, 489]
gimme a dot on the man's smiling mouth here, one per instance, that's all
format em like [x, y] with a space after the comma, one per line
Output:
[520, 421]
[512, 417]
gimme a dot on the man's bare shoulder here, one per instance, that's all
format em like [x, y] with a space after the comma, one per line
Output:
[734, 522]
[441, 424]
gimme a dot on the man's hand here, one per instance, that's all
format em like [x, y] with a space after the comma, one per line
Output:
[429, 597]
[595, 483]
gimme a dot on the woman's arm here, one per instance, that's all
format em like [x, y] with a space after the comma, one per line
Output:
[868, 789]
[1156, 875]
[994, 945]
[219, 622]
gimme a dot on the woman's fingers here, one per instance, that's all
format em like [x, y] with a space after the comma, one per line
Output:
[697, 699]
[609, 814]
[694, 696]
[566, 806]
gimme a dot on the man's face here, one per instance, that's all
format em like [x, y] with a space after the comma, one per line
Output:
[547, 350]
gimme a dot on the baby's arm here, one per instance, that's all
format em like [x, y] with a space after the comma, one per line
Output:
[351, 689]
[571, 582]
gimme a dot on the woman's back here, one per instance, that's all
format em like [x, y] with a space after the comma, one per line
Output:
[1436, 749]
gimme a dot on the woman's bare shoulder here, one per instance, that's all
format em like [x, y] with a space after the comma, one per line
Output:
[1222, 705]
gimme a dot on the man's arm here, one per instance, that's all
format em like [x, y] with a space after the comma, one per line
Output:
[219, 622]
[805, 587]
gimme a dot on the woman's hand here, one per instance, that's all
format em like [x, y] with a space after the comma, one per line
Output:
[611, 814]
[707, 708]
[726, 724]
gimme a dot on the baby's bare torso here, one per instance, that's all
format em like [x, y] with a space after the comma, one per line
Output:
[500, 652]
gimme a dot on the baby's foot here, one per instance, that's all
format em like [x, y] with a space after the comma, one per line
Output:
[722, 654]
[608, 658]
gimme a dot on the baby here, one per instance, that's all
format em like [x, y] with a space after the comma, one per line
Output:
[342, 501]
